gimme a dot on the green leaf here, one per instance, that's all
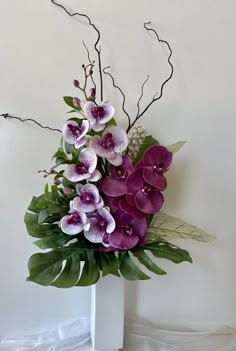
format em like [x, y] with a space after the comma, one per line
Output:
[168, 251]
[112, 122]
[167, 227]
[46, 193]
[54, 193]
[44, 214]
[110, 264]
[90, 273]
[70, 274]
[44, 268]
[53, 241]
[129, 270]
[38, 230]
[148, 141]
[71, 111]
[42, 204]
[33, 207]
[69, 101]
[176, 147]
[147, 262]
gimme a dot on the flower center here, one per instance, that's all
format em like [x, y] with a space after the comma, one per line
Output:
[81, 168]
[101, 224]
[107, 142]
[127, 229]
[121, 172]
[148, 189]
[74, 219]
[75, 130]
[160, 167]
[87, 198]
[98, 112]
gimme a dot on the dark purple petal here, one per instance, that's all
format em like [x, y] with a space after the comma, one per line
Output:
[122, 241]
[140, 164]
[156, 155]
[135, 181]
[113, 187]
[133, 211]
[122, 171]
[149, 203]
[130, 199]
[154, 178]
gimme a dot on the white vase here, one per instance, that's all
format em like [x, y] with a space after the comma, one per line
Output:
[107, 314]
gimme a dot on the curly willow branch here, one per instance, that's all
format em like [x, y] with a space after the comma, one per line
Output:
[122, 93]
[23, 120]
[96, 43]
[156, 96]
[141, 96]
[90, 61]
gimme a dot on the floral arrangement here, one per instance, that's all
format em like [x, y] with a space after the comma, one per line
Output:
[102, 214]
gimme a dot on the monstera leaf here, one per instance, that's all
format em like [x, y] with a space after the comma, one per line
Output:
[167, 227]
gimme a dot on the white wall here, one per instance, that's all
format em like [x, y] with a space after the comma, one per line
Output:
[41, 53]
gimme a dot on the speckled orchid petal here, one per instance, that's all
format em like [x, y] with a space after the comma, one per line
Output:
[84, 169]
[95, 176]
[89, 199]
[119, 138]
[76, 173]
[111, 145]
[98, 114]
[110, 222]
[95, 233]
[74, 223]
[72, 132]
[88, 157]
[101, 222]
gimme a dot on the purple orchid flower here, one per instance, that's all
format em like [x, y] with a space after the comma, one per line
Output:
[142, 195]
[114, 185]
[85, 169]
[89, 199]
[156, 161]
[75, 134]
[98, 114]
[128, 233]
[113, 142]
[101, 223]
[75, 222]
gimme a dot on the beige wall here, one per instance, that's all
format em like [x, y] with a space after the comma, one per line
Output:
[40, 54]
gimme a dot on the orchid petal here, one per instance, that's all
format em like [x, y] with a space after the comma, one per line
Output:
[116, 160]
[119, 136]
[73, 173]
[122, 241]
[95, 176]
[88, 157]
[109, 220]
[151, 176]
[113, 187]
[150, 203]
[94, 234]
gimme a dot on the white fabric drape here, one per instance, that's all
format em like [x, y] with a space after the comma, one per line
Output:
[139, 336]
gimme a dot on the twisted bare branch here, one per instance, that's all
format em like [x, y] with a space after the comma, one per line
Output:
[121, 91]
[23, 120]
[96, 43]
[91, 62]
[156, 97]
[141, 96]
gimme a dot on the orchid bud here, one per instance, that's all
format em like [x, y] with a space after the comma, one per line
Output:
[67, 191]
[76, 83]
[92, 92]
[91, 72]
[76, 102]
[57, 182]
